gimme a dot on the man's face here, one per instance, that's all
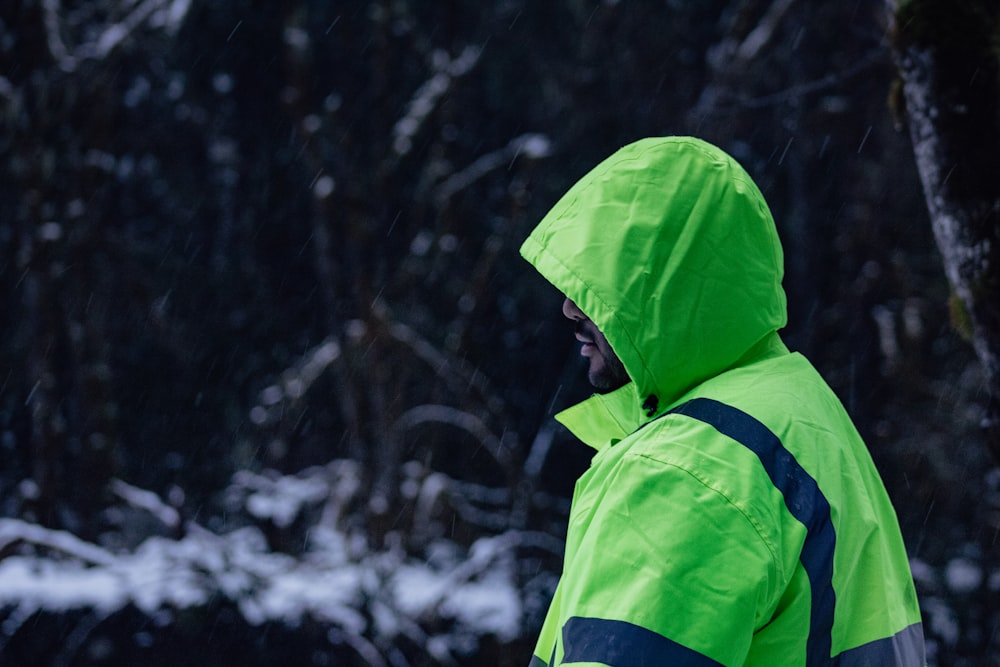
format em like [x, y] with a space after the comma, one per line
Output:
[606, 371]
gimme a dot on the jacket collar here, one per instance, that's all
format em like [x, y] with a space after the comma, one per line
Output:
[604, 419]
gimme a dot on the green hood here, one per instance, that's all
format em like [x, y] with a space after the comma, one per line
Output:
[669, 247]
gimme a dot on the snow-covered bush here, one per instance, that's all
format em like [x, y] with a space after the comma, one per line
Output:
[291, 557]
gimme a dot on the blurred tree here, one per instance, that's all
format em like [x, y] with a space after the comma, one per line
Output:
[948, 56]
[59, 104]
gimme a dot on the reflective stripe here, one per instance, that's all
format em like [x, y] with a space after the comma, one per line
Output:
[621, 644]
[537, 662]
[804, 500]
[904, 649]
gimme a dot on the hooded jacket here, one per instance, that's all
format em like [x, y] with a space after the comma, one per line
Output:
[731, 514]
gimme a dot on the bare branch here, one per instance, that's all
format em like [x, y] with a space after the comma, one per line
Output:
[468, 422]
[708, 104]
[731, 57]
[456, 374]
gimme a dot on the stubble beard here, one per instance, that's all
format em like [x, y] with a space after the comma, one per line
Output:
[606, 371]
[605, 380]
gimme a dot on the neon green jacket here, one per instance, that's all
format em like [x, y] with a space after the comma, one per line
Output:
[732, 514]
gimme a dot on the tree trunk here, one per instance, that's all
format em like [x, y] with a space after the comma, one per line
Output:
[950, 88]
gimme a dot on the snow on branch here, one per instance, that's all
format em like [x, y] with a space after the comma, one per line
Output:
[425, 99]
[53, 35]
[166, 14]
[470, 588]
[735, 51]
[14, 531]
[764, 32]
[530, 145]
[171, 17]
[294, 383]
[116, 33]
[280, 499]
[148, 501]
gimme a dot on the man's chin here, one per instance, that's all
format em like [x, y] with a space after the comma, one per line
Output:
[605, 382]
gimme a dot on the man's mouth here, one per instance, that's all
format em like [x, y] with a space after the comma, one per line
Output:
[587, 347]
[582, 336]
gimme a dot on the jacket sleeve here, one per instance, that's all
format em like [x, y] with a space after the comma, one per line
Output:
[664, 566]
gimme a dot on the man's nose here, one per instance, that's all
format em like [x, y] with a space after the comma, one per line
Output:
[571, 311]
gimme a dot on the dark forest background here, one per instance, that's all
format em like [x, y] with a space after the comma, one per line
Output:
[259, 238]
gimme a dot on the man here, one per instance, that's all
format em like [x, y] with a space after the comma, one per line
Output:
[731, 514]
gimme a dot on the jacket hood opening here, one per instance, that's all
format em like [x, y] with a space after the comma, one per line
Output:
[670, 249]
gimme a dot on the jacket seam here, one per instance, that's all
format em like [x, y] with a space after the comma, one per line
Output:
[707, 483]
